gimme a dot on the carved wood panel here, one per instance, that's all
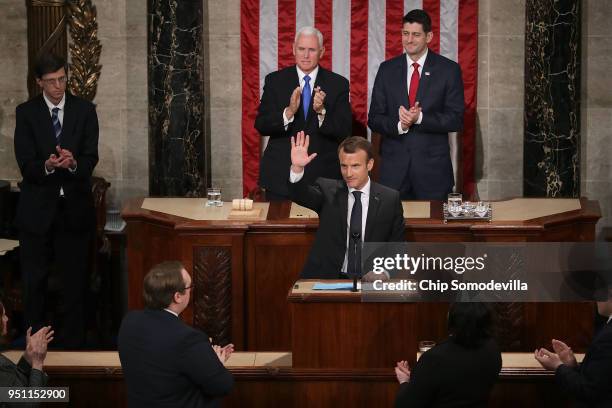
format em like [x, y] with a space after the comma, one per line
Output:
[212, 292]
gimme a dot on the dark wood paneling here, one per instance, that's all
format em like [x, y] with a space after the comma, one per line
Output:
[93, 387]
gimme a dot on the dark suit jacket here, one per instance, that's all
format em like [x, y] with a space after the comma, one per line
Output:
[34, 142]
[591, 382]
[167, 363]
[421, 157]
[450, 375]
[329, 198]
[20, 375]
[324, 140]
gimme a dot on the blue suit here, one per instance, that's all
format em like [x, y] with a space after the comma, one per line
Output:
[418, 163]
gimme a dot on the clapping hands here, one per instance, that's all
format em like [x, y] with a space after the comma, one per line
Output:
[36, 346]
[402, 371]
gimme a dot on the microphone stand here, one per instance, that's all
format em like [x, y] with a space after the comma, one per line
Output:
[355, 239]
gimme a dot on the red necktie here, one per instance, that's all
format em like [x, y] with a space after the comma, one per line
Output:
[414, 84]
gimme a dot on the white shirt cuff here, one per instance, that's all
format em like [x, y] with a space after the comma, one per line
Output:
[295, 177]
[420, 119]
[286, 121]
[73, 170]
[401, 131]
[47, 172]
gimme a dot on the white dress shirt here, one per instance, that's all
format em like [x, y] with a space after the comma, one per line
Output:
[313, 78]
[170, 311]
[421, 62]
[365, 201]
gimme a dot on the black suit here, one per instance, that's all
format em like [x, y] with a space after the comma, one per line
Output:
[591, 382]
[418, 163]
[329, 198]
[450, 375]
[324, 140]
[167, 363]
[46, 220]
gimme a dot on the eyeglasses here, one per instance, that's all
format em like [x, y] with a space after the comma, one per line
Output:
[60, 81]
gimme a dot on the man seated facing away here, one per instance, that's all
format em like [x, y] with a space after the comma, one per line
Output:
[590, 382]
[353, 208]
[28, 372]
[167, 363]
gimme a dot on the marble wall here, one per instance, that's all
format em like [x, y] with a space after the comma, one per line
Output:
[596, 104]
[499, 137]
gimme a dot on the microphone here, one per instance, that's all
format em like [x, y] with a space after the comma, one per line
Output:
[355, 246]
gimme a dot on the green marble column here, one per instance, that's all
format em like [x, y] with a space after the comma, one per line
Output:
[551, 165]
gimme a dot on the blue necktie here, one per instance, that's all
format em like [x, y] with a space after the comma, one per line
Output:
[306, 94]
[57, 126]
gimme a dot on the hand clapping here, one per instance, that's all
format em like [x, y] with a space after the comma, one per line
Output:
[319, 98]
[402, 371]
[36, 346]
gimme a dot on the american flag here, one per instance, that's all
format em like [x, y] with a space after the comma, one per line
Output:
[358, 36]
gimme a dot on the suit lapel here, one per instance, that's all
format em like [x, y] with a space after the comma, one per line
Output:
[342, 197]
[373, 206]
[404, 81]
[427, 75]
[69, 122]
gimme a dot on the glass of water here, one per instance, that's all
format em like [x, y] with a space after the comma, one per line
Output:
[454, 203]
[213, 196]
[425, 345]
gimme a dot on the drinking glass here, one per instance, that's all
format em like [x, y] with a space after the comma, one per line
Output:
[213, 196]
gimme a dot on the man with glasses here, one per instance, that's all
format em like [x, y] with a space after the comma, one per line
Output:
[56, 147]
[166, 362]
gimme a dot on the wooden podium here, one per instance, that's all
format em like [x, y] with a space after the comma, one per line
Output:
[242, 271]
[335, 329]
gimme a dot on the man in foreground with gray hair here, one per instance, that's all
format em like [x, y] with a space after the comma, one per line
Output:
[303, 97]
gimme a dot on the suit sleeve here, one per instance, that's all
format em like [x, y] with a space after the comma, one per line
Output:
[32, 168]
[269, 119]
[421, 389]
[309, 196]
[199, 362]
[399, 226]
[21, 375]
[450, 119]
[381, 117]
[87, 156]
[591, 382]
[338, 122]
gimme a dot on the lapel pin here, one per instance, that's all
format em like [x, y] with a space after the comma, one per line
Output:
[427, 73]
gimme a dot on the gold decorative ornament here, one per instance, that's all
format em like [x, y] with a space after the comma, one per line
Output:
[85, 49]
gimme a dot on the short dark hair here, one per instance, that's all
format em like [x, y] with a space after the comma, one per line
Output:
[418, 16]
[354, 143]
[469, 324]
[161, 283]
[48, 63]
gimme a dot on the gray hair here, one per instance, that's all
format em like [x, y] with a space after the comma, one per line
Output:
[309, 31]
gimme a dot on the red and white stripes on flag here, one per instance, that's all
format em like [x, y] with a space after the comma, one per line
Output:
[358, 36]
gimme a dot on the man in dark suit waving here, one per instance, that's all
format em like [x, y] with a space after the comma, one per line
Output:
[351, 209]
[417, 100]
[165, 362]
[56, 147]
[303, 97]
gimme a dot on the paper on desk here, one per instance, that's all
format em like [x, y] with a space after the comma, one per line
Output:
[335, 286]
